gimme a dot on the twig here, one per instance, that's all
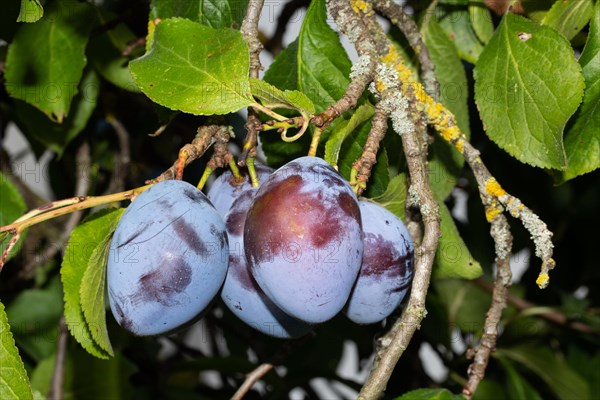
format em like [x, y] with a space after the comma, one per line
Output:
[361, 169]
[481, 354]
[554, 316]
[250, 32]
[82, 187]
[393, 344]
[194, 150]
[122, 159]
[251, 378]
[395, 13]
[58, 376]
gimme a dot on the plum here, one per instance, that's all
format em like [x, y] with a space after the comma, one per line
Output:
[225, 188]
[168, 259]
[240, 291]
[387, 266]
[303, 239]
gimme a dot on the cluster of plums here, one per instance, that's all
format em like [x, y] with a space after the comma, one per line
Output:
[285, 256]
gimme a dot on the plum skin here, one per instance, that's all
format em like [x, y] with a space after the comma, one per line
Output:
[387, 267]
[224, 190]
[303, 239]
[241, 293]
[167, 260]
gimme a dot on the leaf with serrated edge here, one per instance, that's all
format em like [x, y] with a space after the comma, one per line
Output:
[31, 11]
[12, 206]
[342, 130]
[270, 95]
[80, 248]
[452, 257]
[323, 65]
[45, 61]
[527, 85]
[569, 17]
[582, 139]
[14, 383]
[92, 290]
[195, 69]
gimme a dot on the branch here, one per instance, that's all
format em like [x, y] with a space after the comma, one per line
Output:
[395, 13]
[556, 317]
[361, 169]
[251, 378]
[192, 151]
[58, 376]
[82, 187]
[250, 32]
[481, 354]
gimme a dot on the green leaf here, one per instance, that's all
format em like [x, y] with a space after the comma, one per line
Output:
[14, 383]
[323, 65]
[216, 14]
[85, 242]
[352, 149]
[283, 72]
[430, 394]
[394, 197]
[582, 139]
[569, 17]
[31, 11]
[45, 61]
[452, 257]
[343, 129]
[455, 21]
[270, 95]
[195, 69]
[466, 303]
[12, 206]
[517, 386]
[481, 19]
[56, 136]
[105, 51]
[33, 314]
[527, 85]
[553, 370]
[92, 290]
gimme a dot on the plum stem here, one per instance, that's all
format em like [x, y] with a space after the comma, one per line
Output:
[207, 171]
[314, 144]
[252, 172]
[235, 171]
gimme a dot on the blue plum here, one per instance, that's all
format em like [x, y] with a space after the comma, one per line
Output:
[303, 239]
[387, 266]
[168, 259]
[225, 188]
[240, 291]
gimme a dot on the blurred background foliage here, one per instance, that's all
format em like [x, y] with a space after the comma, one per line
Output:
[548, 347]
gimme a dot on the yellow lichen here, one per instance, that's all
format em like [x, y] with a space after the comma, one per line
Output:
[460, 145]
[360, 5]
[493, 188]
[492, 212]
[542, 280]
[379, 86]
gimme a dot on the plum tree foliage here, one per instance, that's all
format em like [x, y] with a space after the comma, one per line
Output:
[430, 185]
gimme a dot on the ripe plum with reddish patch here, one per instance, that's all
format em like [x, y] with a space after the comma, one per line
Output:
[225, 189]
[168, 259]
[303, 239]
[387, 266]
[240, 291]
